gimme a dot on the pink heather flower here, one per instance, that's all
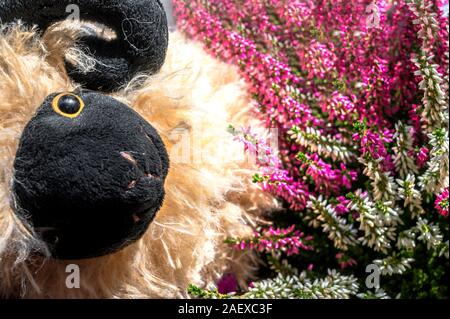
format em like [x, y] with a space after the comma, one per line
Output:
[274, 178]
[344, 261]
[340, 107]
[318, 60]
[415, 118]
[322, 173]
[288, 240]
[342, 207]
[441, 203]
[227, 284]
[347, 176]
[374, 145]
[422, 156]
[325, 177]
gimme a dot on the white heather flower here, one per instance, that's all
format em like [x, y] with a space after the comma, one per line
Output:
[324, 215]
[374, 222]
[429, 233]
[436, 177]
[329, 146]
[434, 97]
[383, 185]
[403, 160]
[393, 265]
[411, 196]
[444, 250]
[435, 113]
[377, 294]
[407, 239]
[333, 286]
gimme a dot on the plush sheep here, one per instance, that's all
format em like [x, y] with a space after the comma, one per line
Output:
[115, 156]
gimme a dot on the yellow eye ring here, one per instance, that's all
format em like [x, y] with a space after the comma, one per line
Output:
[68, 105]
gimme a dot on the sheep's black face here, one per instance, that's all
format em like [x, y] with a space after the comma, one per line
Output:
[89, 174]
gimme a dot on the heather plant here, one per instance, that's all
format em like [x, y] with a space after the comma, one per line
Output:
[358, 91]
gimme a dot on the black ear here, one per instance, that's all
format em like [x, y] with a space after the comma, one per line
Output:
[140, 26]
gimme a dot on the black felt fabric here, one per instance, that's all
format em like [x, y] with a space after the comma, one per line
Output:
[140, 25]
[89, 185]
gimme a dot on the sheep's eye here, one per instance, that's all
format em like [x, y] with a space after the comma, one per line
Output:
[68, 105]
